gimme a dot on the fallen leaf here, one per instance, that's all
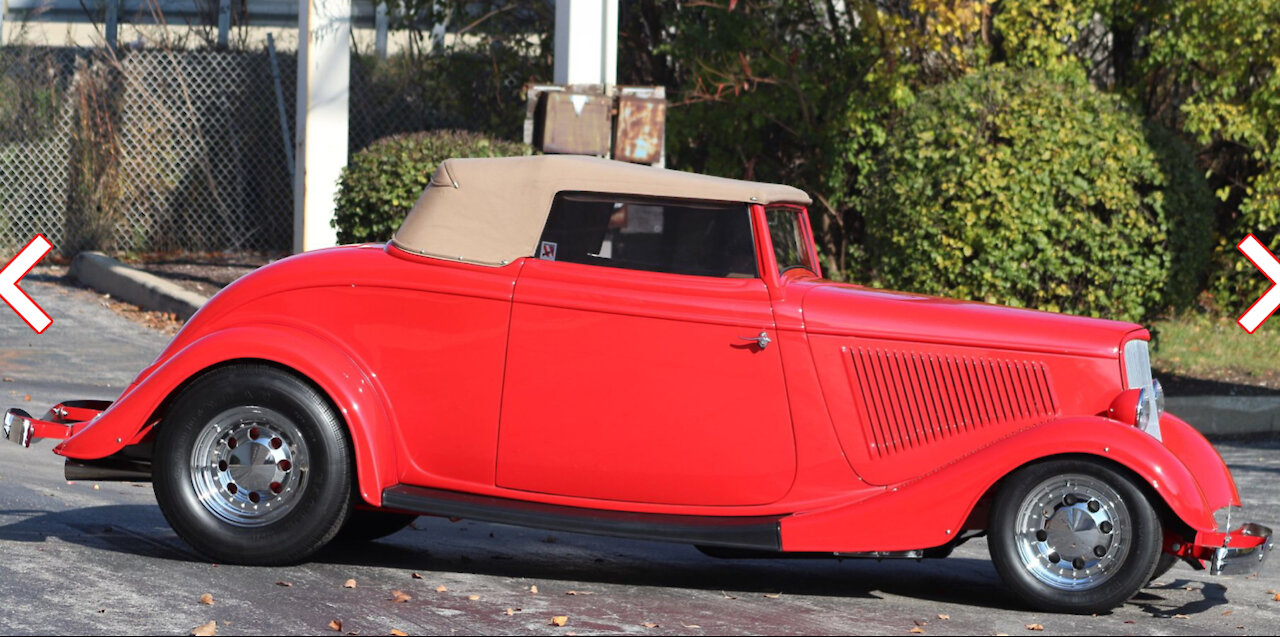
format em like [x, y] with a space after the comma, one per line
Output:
[511, 611]
[918, 630]
[579, 593]
[650, 625]
[335, 624]
[399, 597]
[943, 616]
[399, 633]
[919, 622]
[416, 576]
[558, 620]
[1276, 598]
[473, 597]
[1035, 627]
[205, 630]
[1181, 616]
[442, 588]
[206, 599]
[690, 625]
[27, 397]
[284, 584]
[96, 487]
[773, 595]
[8, 380]
[351, 583]
[1128, 621]
[727, 596]
[533, 589]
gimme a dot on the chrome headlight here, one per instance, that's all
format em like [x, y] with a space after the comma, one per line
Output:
[1137, 371]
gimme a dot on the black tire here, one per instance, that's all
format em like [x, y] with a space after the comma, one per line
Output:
[247, 437]
[1061, 572]
[1166, 562]
[367, 526]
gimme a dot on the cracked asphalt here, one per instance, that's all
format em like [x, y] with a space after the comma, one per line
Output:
[85, 558]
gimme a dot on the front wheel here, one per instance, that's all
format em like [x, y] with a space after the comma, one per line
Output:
[252, 466]
[1073, 536]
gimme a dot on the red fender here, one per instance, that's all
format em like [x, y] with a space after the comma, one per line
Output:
[321, 360]
[931, 510]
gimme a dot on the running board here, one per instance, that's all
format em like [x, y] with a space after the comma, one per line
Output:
[759, 532]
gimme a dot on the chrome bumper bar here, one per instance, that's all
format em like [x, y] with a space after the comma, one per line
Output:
[1253, 544]
[18, 427]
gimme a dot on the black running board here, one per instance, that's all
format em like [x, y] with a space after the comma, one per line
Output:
[758, 532]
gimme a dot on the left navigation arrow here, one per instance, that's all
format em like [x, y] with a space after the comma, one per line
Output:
[13, 295]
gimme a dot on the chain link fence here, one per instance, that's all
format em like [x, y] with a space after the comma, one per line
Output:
[162, 150]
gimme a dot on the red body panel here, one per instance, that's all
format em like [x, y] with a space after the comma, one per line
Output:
[593, 387]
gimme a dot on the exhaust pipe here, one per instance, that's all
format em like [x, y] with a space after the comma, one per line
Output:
[109, 469]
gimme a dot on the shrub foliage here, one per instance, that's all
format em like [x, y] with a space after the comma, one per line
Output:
[382, 182]
[1021, 187]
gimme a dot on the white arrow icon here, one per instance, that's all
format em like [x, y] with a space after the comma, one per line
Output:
[1262, 259]
[15, 297]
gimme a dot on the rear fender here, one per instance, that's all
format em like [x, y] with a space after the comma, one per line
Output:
[322, 361]
[932, 510]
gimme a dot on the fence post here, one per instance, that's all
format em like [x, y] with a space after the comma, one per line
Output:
[224, 22]
[113, 17]
[380, 23]
[586, 44]
[324, 81]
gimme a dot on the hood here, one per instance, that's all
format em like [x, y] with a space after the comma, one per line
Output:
[851, 310]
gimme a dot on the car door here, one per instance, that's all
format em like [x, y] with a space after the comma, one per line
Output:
[635, 367]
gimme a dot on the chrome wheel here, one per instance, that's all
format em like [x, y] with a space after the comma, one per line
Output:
[1074, 532]
[249, 466]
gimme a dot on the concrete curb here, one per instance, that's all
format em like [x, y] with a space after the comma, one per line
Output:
[145, 290]
[1228, 415]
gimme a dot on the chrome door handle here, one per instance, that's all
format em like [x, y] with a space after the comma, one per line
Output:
[762, 341]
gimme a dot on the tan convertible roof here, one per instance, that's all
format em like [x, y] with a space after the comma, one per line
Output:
[492, 211]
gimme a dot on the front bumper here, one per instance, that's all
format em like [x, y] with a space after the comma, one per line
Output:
[1243, 551]
[61, 422]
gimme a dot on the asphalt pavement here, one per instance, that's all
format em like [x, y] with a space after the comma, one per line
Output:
[86, 558]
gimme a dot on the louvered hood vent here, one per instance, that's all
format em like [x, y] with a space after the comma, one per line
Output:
[911, 400]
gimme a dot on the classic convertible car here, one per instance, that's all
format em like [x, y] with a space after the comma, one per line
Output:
[579, 344]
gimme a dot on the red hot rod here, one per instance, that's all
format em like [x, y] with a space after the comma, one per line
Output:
[573, 343]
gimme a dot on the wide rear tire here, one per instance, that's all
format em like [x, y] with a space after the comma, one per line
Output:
[252, 465]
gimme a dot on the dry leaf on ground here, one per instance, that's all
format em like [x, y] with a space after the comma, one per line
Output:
[651, 625]
[727, 596]
[399, 633]
[1035, 627]
[690, 625]
[399, 597]
[205, 630]
[1181, 616]
[773, 595]
[919, 622]
[284, 584]
[416, 576]
[918, 630]
[335, 624]
[442, 588]
[558, 620]
[206, 599]
[510, 611]
[1276, 598]
[473, 597]
[579, 593]
[1227, 612]
[533, 589]
[943, 616]
[351, 583]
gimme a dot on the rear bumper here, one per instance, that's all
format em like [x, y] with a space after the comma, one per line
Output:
[59, 423]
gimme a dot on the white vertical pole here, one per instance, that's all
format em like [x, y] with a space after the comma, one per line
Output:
[586, 42]
[4, 7]
[380, 25]
[324, 76]
[224, 22]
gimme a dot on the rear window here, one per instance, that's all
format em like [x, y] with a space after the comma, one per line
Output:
[655, 235]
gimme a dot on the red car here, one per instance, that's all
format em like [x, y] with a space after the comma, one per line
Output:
[578, 344]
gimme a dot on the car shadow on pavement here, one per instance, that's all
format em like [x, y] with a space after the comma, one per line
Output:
[529, 555]
[1148, 599]
[123, 528]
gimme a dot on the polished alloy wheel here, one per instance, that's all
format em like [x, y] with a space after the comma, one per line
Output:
[249, 466]
[1074, 532]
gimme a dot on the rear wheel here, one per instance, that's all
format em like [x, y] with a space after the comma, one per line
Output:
[1073, 536]
[252, 466]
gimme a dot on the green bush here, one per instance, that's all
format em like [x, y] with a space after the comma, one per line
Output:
[1023, 188]
[382, 182]
[1189, 209]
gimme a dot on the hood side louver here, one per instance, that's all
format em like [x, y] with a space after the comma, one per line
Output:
[912, 400]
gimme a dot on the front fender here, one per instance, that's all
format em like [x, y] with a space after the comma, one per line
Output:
[322, 361]
[932, 510]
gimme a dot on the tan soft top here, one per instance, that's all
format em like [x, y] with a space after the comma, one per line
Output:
[492, 211]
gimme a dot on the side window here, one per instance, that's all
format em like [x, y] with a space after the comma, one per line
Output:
[656, 235]
[790, 247]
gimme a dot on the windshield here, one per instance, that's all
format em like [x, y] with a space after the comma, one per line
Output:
[790, 246]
